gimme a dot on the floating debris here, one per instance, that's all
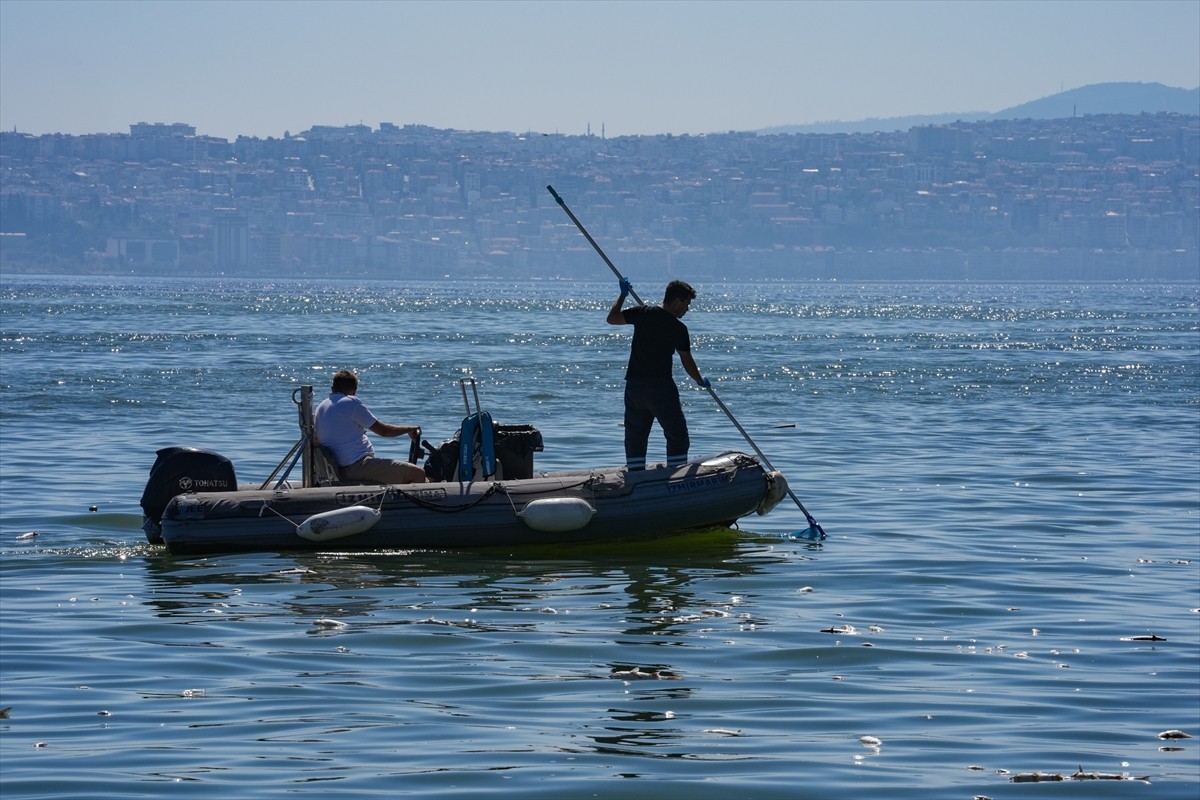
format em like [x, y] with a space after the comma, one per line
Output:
[870, 741]
[1079, 775]
[4, 712]
[1174, 734]
[93, 508]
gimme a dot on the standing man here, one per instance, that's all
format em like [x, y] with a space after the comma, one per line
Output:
[650, 390]
[342, 421]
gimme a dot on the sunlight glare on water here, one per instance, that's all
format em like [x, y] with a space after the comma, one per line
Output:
[1009, 477]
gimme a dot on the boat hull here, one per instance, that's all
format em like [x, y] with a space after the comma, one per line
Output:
[455, 515]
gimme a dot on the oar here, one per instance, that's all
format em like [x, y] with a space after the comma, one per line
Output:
[813, 531]
[583, 230]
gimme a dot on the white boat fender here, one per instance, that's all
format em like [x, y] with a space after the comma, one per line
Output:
[557, 514]
[338, 523]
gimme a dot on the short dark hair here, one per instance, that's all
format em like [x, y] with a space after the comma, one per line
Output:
[679, 290]
[344, 382]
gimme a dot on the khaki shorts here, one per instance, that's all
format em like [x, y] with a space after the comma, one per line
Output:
[383, 470]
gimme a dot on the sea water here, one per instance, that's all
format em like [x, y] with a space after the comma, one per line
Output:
[1009, 476]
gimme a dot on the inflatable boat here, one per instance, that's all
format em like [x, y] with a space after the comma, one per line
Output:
[482, 492]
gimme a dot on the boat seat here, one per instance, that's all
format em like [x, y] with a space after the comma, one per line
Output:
[326, 471]
[325, 467]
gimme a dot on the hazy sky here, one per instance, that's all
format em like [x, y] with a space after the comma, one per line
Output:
[234, 67]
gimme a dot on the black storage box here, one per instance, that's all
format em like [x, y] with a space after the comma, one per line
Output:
[515, 446]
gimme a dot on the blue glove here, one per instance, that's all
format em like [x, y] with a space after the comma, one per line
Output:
[706, 383]
[626, 286]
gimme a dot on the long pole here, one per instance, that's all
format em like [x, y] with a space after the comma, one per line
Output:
[814, 529]
[583, 230]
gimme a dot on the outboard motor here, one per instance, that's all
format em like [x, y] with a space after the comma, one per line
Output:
[178, 470]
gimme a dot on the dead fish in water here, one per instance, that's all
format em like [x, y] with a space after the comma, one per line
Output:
[1036, 777]
[636, 674]
[1154, 637]
[1080, 775]
[1171, 734]
[4, 712]
[26, 536]
[327, 623]
[846, 629]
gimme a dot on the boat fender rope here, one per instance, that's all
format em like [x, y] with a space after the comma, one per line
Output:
[585, 483]
[432, 506]
[267, 507]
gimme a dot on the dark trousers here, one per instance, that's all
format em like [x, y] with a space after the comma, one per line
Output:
[647, 400]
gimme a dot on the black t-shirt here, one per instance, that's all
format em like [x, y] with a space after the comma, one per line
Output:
[657, 335]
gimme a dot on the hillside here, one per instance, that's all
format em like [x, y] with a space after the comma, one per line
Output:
[1098, 98]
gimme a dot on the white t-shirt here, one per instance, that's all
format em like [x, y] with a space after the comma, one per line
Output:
[342, 421]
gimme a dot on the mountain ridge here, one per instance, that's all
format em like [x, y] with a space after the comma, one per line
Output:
[1096, 98]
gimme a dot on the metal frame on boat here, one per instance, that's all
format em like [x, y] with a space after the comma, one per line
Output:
[193, 504]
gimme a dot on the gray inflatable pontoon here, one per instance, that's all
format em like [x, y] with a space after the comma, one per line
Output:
[194, 505]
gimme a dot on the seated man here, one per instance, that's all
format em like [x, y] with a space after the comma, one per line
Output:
[342, 422]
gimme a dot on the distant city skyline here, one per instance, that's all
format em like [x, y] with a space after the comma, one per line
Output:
[622, 68]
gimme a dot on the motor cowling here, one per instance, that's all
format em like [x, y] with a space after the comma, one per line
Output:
[178, 470]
